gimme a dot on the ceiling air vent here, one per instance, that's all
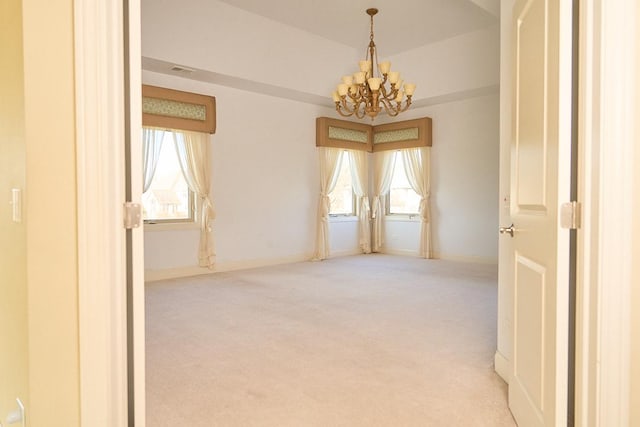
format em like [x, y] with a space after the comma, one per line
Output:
[181, 69]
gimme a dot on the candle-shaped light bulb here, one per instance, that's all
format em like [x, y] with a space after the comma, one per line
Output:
[409, 88]
[384, 67]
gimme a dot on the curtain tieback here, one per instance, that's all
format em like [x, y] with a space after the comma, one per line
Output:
[364, 205]
[325, 206]
[424, 208]
[375, 207]
[208, 214]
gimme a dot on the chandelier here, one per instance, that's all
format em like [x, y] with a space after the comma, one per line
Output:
[365, 94]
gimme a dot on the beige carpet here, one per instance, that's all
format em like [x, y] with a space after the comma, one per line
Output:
[373, 340]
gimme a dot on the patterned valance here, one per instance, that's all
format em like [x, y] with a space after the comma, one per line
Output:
[357, 136]
[342, 134]
[174, 109]
[405, 134]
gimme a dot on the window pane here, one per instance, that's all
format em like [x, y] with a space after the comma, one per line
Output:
[342, 195]
[402, 198]
[168, 196]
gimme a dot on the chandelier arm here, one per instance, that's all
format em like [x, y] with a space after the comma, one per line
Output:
[345, 106]
[388, 106]
[355, 97]
[406, 107]
[339, 110]
[358, 110]
[391, 95]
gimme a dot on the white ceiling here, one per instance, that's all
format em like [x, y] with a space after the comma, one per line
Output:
[400, 25]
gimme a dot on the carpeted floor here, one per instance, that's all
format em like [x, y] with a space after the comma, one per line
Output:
[373, 340]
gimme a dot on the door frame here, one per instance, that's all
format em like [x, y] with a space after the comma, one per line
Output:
[604, 282]
[99, 30]
[606, 138]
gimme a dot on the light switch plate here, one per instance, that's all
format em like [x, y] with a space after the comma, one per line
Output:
[16, 205]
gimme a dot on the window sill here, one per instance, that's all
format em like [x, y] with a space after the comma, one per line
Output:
[171, 226]
[402, 217]
[343, 218]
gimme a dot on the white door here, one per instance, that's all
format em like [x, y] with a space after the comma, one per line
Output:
[540, 176]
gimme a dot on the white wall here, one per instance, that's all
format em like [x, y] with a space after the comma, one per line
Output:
[464, 183]
[212, 35]
[264, 183]
[255, 227]
[463, 63]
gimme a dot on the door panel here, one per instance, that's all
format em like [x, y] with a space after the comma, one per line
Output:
[530, 123]
[530, 304]
[537, 387]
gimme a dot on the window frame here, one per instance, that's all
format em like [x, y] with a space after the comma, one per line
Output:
[354, 204]
[193, 209]
[387, 202]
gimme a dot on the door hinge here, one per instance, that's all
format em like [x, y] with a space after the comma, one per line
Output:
[132, 215]
[570, 215]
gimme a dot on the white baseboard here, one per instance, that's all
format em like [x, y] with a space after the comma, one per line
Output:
[174, 273]
[188, 271]
[501, 365]
[463, 258]
[351, 252]
[403, 252]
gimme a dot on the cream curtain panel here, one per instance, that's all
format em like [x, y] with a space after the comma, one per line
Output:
[417, 168]
[383, 163]
[330, 159]
[151, 145]
[193, 154]
[360, 181]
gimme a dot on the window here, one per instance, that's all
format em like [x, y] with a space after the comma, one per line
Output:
[402, 199]
[168, 199]
[342, 198]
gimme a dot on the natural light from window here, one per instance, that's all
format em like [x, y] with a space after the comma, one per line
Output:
[341, 197]
[168, 198]
[402, 198]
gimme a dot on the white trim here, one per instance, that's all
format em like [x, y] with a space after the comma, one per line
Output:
[174, 273]
[615, 208]
[170, 226]
[466, 258]
[398, 217]
[342, 218]
[339, 254]
[402, 252]
[604, 266]
[188, 271]
[501, 366]
[101, 237]
[137, 244]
